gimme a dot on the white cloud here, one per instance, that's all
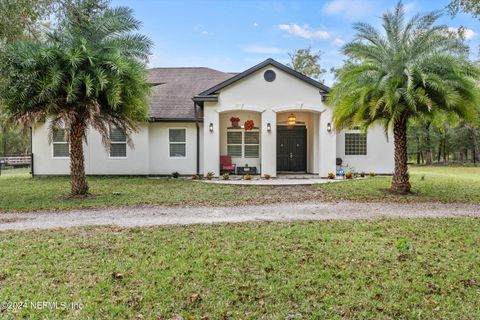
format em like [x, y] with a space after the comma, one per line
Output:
[351, 9]
[200, 29]
[304, 32]
[465, 32]
[409, 6]
[263, 49]
[338, 42]
[255, 24]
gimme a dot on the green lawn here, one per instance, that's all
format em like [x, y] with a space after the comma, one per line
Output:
[20, 193]
[384, 269]
[444, 184]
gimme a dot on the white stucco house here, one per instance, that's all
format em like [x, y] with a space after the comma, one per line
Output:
[284, 126]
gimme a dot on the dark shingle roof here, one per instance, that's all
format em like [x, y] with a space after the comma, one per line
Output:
[174, 88]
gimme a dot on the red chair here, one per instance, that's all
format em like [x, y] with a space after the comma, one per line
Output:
[226, 164]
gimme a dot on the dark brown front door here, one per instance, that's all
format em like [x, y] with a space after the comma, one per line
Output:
[291, 148]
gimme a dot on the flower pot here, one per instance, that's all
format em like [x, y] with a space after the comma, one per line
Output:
[235, 124]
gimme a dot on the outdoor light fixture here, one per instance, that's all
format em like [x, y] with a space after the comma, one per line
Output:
[210, 127]
[329, 127]
[292, 120]
[269, 127]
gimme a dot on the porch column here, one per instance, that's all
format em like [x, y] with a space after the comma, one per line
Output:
[328, 144]
[268, 142]
[211, 145]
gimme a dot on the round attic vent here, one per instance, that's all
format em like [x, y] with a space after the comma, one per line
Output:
[269, 75]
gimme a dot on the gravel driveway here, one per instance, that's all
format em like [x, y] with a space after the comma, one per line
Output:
[150, 216]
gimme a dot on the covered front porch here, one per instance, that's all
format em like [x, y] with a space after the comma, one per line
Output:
[260, 141]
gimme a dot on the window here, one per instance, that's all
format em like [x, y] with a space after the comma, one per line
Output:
[234, 144]
[244, 144]
[252, 144]
[178, 142]
[118, 143]
[61, 148]
[355, 144]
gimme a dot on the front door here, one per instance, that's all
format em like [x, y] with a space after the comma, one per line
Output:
[292, 148]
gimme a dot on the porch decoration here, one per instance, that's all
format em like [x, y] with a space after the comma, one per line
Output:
[235, 122]
[292, 120]
[249, 125]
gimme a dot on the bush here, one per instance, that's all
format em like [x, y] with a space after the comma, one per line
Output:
[210, 175]
[348, 175]
[362, 174]
[267, 176]
[175, 175]
[247, 177]
[372, 174]
[226, 176]
[331, 175]
[196, 177]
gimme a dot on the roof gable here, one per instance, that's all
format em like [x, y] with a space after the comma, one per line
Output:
[254, 69]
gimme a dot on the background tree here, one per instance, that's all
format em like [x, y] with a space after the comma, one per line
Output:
[411, 70]
[22, 19]
[307, 62]
[467, 6]
[88, 74]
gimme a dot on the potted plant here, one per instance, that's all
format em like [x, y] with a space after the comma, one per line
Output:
[235, 122]
[247, 177]
[249, 125]
[210, 175]
[331, 175]
[267, 176]
[226, 176]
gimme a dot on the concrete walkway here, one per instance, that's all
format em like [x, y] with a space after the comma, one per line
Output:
[272, 182]
[151, 216]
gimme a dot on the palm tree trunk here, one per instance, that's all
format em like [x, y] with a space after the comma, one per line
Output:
[429, 145]
[77, 163]
[400, 181]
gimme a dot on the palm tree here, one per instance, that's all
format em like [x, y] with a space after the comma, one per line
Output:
[413, 69]
[89, 73]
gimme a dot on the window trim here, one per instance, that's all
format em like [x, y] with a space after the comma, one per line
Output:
[243, 144]
[169, 143]
[357, 131]
[117, 142]
[53, 148]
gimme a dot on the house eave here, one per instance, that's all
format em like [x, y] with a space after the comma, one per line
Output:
[193, 120]
[209, 98]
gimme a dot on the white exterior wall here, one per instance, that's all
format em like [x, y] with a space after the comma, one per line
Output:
[380, 155]
[160, 161]
[150, 154]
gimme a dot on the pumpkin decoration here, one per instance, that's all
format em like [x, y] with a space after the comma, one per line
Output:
[249, 125]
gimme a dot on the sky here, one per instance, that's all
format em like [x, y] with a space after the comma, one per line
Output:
[232, 36]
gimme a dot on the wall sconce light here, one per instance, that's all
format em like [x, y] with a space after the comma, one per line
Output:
[329, 127]
[269, 127]
[210, 127]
